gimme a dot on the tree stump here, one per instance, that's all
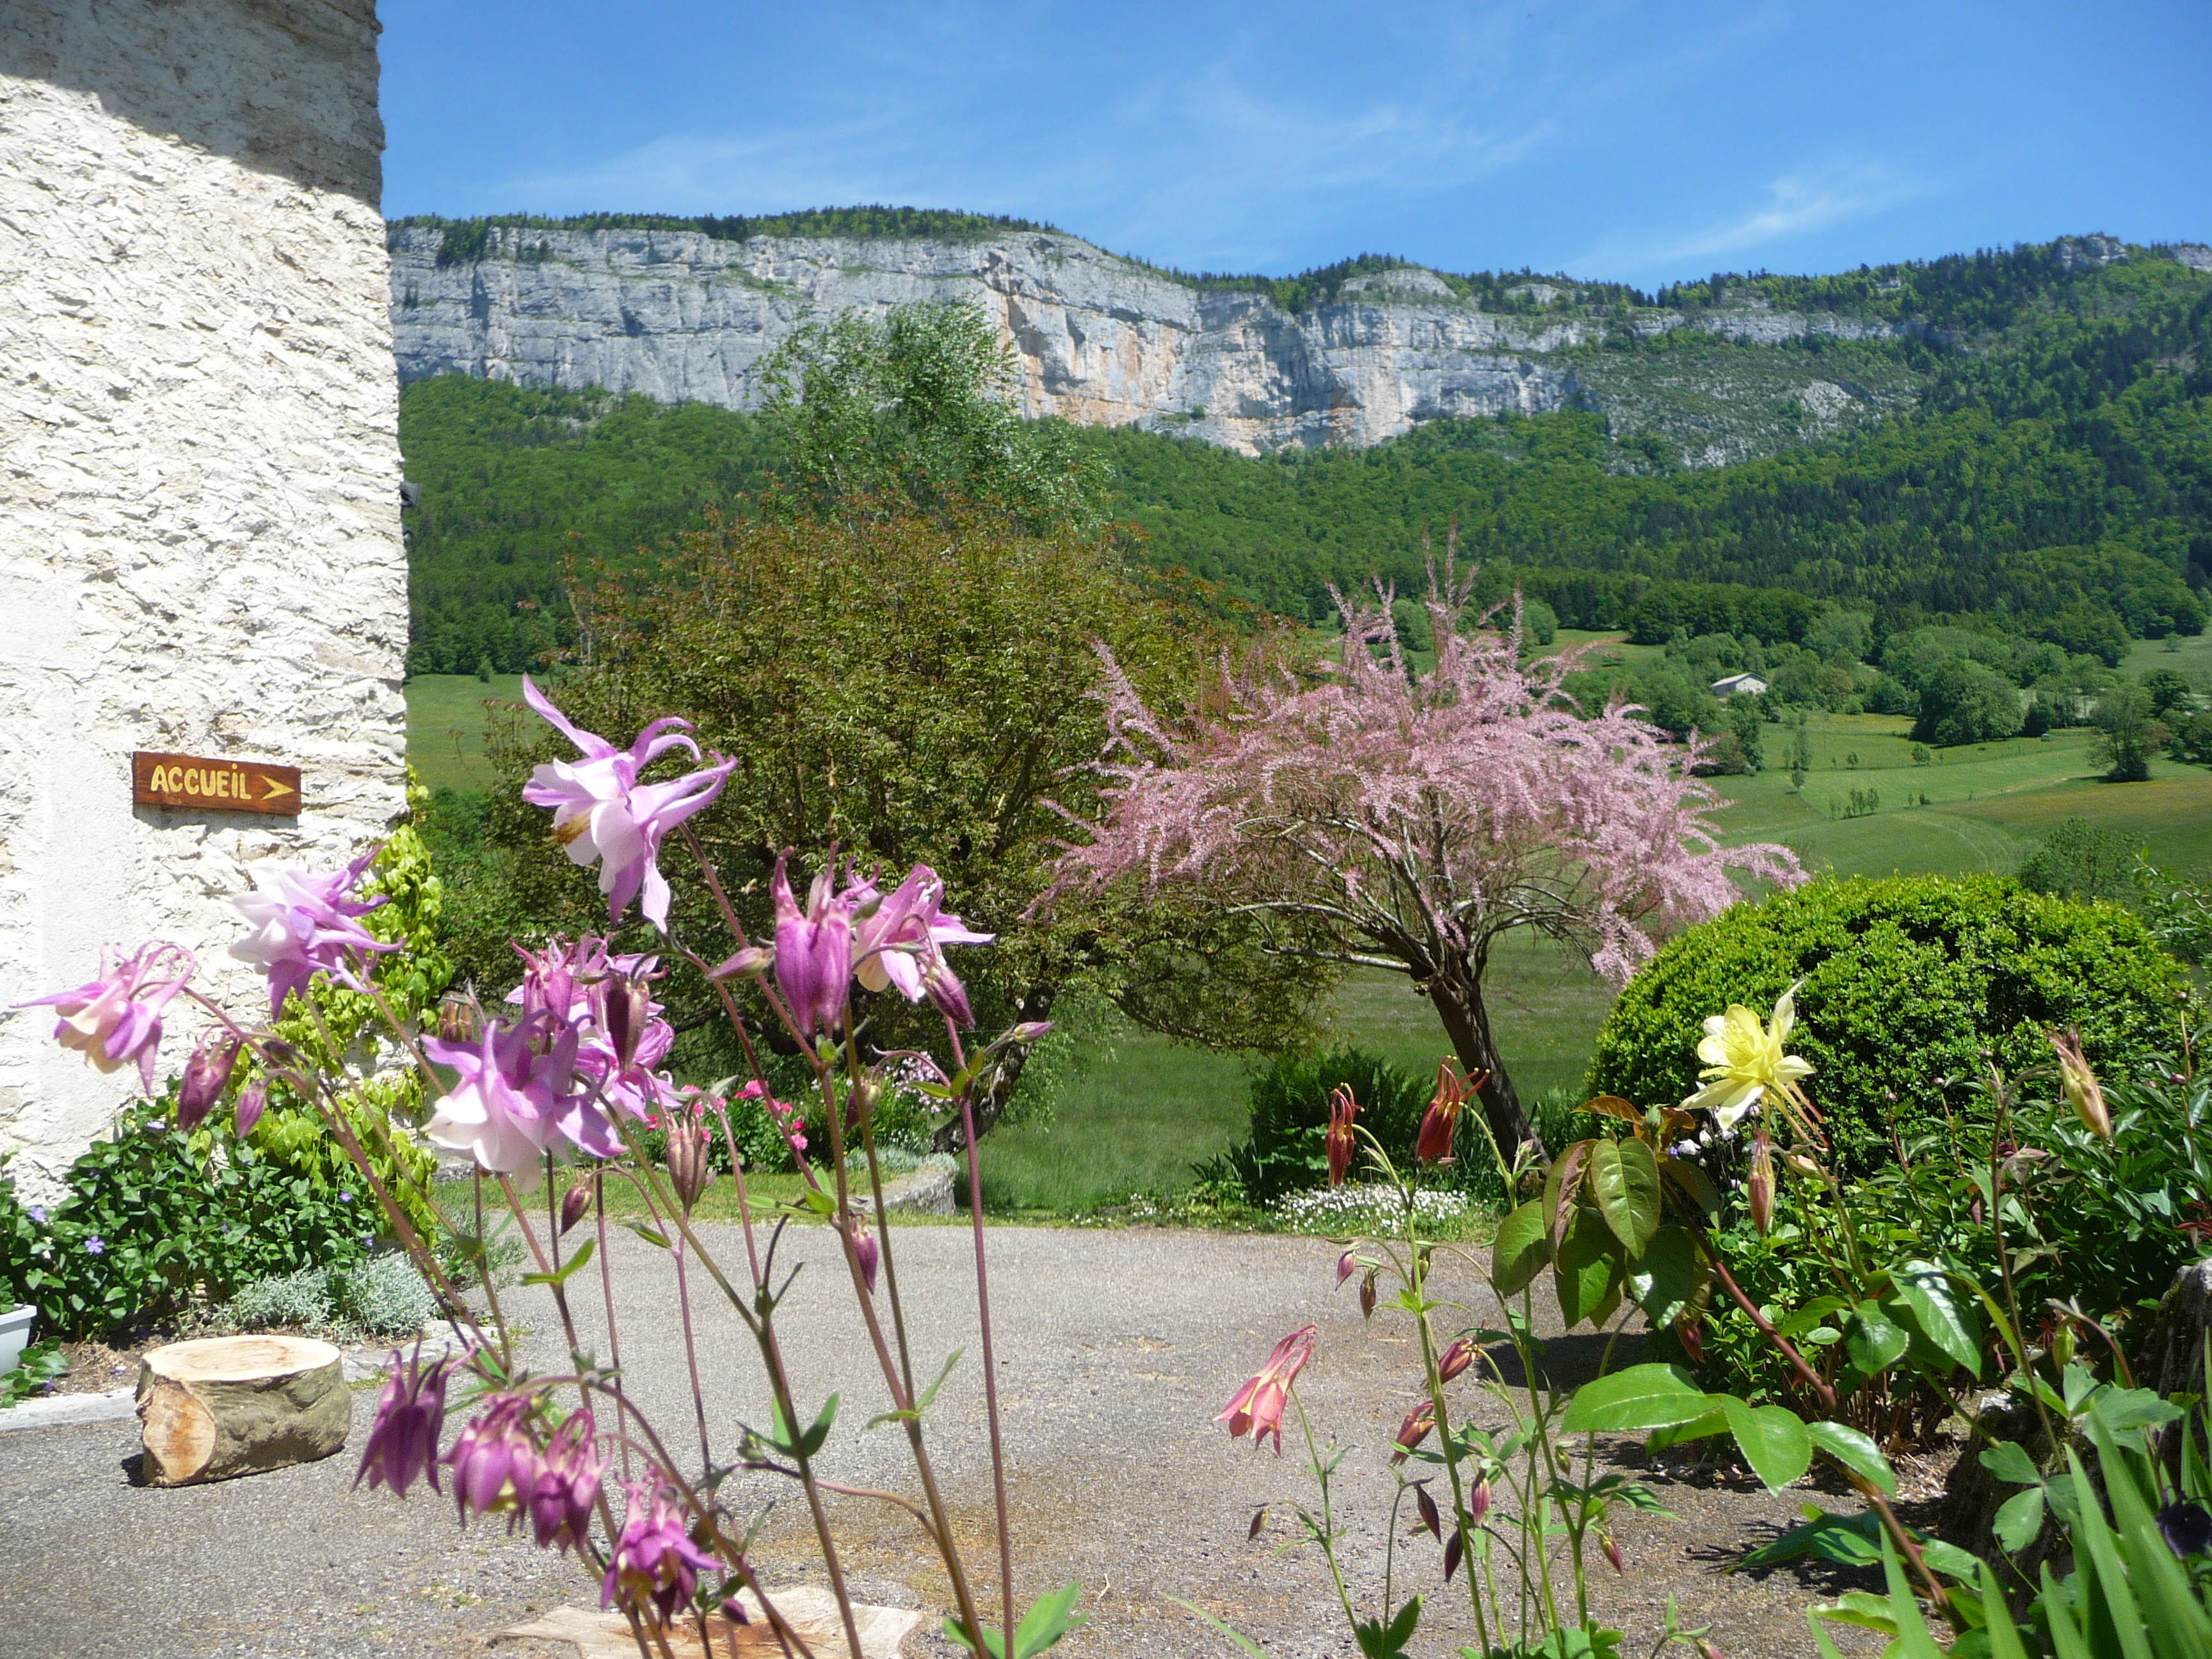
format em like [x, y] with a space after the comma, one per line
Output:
[238, 1405]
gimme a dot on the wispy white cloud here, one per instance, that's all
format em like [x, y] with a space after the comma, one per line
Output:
[1793, 206]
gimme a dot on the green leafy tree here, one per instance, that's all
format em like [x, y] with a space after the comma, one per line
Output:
[2169, 691]
[2084, 860]
[2127, 735]
[904, 688]
[915, 409]
[1967, 702]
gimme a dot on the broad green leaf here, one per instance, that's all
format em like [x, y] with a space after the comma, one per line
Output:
[1772, 1439]
[1664, 1281]
[1636, 1397]
[2121, 1410]
[2018, 1520]
[1049, 1618]
[1950, 1323]
[1871, 1341]
[1856, 1453]
[2009, 1460]
[1843, 1540]
[818, 1431]
[1947, 1558]
[1624, 1178]
[1586, 1271]
[1700, 1428]
[1521, 1249]
[1861, 1607]
[1691, 1182]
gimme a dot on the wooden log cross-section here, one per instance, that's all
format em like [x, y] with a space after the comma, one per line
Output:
[239, 1405]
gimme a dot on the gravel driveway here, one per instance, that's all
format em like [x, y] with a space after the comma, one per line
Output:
[1117, 1349]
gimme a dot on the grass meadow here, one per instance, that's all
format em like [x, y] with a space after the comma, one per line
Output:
[1141, 1114]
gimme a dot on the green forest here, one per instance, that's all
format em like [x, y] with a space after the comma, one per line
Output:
[2053, 480]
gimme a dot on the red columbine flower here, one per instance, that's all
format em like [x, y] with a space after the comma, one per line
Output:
[1341, 1143]
[1414, 1430]
[602, 814]
[403, 1442]
[567, 1486]
[117, 1018]
[1456, 1359]
[654, 1559]
[1441, 1122]
[1258, 1406]
[813, 950]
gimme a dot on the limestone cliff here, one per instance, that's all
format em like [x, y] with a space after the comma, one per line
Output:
[678, 315]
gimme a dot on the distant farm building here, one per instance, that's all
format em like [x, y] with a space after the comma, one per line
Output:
[1751, 686]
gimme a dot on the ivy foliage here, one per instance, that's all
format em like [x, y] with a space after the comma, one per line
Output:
[1901, 982]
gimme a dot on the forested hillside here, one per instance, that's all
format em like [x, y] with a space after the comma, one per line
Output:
[2054, 478]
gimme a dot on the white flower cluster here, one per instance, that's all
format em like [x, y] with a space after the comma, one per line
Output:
[1363, 1208]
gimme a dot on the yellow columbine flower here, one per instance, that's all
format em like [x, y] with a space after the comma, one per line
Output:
[1744, 1060]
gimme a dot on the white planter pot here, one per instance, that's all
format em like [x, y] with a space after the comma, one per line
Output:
[15, 1335]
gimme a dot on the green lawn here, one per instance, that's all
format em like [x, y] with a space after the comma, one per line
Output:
[447, 721]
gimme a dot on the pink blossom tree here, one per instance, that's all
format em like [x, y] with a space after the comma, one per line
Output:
[1390, 818]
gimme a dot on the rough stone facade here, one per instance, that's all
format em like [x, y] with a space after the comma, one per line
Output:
[199, 487]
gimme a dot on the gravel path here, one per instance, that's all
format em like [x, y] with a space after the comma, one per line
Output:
[1117, 1349]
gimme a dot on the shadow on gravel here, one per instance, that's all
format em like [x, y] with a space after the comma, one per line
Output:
[1568, 1362]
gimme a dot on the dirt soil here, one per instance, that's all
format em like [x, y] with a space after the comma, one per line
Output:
[1116, 1352]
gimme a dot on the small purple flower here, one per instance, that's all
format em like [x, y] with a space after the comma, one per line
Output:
[39, 1213]
[602, 814]
[94, 1245]
[345, 1198]
[653, 1560]
[901, 941]
[403, 1442]
[2186, 1526]
[305, 925]
[813, 950]
[117, 1018]
[495, 1463]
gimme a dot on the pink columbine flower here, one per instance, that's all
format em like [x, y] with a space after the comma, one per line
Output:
[502, 1109]
[567, 1486]
[1258, 1406]
[654, 1559]
[495, 1462]
[304, 925]
[403, 1442]
[901, 941]
[117, 1018]
[602, 814]
[813, 950]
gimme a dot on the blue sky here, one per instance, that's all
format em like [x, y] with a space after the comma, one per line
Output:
[1607, 138]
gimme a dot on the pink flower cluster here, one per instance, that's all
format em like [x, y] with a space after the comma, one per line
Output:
[581, 1049]
[654, 1559]
[885, 940]
[498, 1466]
[117, 1018]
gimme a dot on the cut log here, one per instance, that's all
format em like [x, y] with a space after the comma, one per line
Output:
[238, 1405]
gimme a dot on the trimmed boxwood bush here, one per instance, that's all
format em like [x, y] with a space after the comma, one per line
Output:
[1906, 980]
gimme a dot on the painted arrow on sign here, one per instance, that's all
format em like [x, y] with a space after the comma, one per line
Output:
[195, 782]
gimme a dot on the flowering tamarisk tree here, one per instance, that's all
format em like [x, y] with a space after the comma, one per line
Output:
[1413, 820]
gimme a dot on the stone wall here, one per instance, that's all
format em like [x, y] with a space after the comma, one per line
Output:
[199, 487]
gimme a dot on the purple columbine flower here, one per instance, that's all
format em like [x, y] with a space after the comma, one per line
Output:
[495, 1463]
[94, 1245]
[602, 814]
[813, 950]
[902, 940]
[572, 985]
[654, 1559]
[305, 925]
[501, 1109]
[403, 1442]
[117, 1018]
[567, 1487]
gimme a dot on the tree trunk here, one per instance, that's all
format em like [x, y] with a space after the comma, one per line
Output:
[1458, 997]
[991, 1105]
[238, 1405]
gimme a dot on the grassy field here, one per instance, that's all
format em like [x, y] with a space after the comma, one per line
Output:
[1138, 1123]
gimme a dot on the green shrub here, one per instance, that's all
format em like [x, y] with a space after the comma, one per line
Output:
[386, 1296]
[1289, 1106]
[1906, 981]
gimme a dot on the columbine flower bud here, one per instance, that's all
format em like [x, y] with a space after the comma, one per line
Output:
[1612, 1551]
[868, 1253]
[753, 959]
[1761, 1185]
[207, 1074]
[574, 1203]
[2079, 1084]
[249, 1107]
[1029, 1031]
[457, 1021]
[1367, 1295]
[689, 1172]
[1451, 1555]
[1414, 1430]
[1456, 1359]
[1340, 1142]
[1690, 1332]
[1346, 1265]
[629, 1007]
[1426, 1506]
[1708, 1649]
[1478, 1503]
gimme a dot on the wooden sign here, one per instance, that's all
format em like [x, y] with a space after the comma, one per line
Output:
[214, 785]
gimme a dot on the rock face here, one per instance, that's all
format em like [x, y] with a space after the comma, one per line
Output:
[1102, 340]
